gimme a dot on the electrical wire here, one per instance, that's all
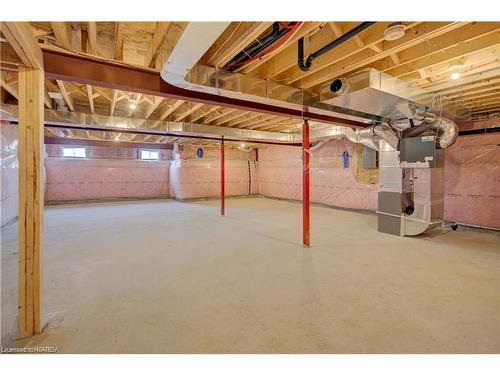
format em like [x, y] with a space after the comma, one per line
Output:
[269, 49]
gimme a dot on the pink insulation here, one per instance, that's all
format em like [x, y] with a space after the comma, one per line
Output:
[472, 176]
[280, 175]
[69, 179]
[472, 181]
[9, 172]
[105, 152]
[193, 177]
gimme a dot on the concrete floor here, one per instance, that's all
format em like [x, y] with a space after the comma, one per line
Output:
[170, 277]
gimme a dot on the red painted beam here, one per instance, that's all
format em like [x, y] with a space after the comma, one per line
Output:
[306, 204]
[80, 69]
[222, 179]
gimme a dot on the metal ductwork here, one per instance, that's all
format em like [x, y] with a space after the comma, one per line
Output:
[182, 70]
[89, 121]
[410, 139]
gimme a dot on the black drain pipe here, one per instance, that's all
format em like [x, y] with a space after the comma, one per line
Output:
[305, 66]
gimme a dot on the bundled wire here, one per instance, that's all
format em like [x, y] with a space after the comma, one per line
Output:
[287, 30]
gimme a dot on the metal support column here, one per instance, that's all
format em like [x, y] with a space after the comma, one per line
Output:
[306, 218]
[222, 179]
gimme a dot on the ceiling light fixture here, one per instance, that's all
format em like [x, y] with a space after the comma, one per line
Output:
[394, 31]
[133, 105]
[455, 71]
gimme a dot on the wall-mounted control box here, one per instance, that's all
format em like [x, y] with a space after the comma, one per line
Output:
[418, 152]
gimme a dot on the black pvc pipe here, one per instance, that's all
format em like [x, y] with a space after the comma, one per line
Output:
[305, 66]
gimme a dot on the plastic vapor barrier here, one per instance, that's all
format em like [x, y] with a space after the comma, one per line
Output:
[280, 175]
[472, 181]
[90, 179]
[192, 176]
[9, 172]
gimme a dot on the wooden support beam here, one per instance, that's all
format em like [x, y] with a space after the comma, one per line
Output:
[307, 29]
[84, 41]
[265, 123]
[249, 118]
[119, 41]
[172, 37]
[475, 80]
[327, 68]
[31, 83]
[395, 58]
[171, 109]
[158, 38]
[189, 111]
[83, 70]
[248, 35]
[103, 93]
[473, 37]
[9, 87]
[204, 114]
[113, 101]
[46, 98]
[285, 63]
[91, 98]
[377, 47]
[220, 114]
[152, 107]
[92, 37]
[65, 95]
[62, 32]
[339, 32]
[223, 121]
[21, 39]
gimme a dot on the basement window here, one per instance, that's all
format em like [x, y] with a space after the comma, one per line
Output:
[149, 155]
[74, 152]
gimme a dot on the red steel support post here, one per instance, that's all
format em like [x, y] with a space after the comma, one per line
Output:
[222, 178]
[306, 218]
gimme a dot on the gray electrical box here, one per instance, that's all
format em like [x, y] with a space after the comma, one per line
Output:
[369, 157]
[418, 150]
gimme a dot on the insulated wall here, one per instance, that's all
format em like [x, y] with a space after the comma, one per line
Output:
[9, 172]
[192, 176]
[332, 182]
[106, 173]
[472, 178]
[472, 181]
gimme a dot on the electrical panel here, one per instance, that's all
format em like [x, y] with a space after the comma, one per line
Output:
[370, 157]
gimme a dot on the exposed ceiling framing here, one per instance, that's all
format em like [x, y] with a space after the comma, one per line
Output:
[423, 56]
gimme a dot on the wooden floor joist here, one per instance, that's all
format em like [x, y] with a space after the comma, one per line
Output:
[31, 138]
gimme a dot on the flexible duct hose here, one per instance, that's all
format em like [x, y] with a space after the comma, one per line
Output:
[385, 132]
[447, 131]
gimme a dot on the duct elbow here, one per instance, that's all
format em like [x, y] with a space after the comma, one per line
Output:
[385, 132]
[446, 130]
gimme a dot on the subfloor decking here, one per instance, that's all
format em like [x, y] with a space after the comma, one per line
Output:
[170, 277]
